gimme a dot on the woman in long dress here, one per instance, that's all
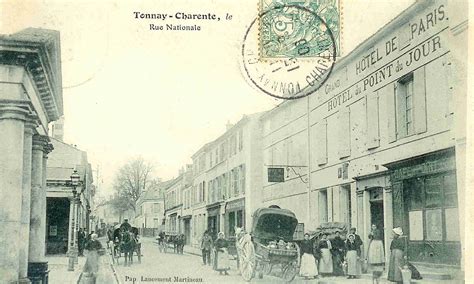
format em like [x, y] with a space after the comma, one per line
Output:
[325, 263]
[397, 254]
[352, 256]
[308, 263]
[376, 254]
[222, 256]
[93, 250]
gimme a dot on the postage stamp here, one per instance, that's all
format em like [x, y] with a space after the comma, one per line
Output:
[288, 51]
[286, 31]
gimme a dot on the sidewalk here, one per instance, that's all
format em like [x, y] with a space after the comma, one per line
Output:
[58, 272]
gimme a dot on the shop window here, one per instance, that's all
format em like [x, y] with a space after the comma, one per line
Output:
[434, 225]
[415, 219]
[433, 192]
[415, 194]
[452, 227]
[232, 223]
[450, 194]
[240, 219]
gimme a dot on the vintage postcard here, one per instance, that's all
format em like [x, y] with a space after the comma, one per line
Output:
[252, 141]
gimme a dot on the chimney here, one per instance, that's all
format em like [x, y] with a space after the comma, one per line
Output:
[228, 125]
[57, 131]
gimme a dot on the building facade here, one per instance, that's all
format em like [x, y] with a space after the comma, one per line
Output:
[386, 139]
[61, 217]
[174, 205]
[30, 98]
[225, 171]
[150, 209]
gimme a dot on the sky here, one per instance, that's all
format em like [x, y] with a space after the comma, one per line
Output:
[130, 92]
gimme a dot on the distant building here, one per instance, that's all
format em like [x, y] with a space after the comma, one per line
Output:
[61, 164]
[150, 209]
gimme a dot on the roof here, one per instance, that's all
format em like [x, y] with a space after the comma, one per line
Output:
[64, 159]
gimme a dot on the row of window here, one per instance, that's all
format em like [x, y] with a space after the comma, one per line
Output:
[227, 185]
[223, 187]
[155, 208]
[227, 148]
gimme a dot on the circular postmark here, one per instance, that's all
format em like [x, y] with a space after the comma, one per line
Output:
[288, 52]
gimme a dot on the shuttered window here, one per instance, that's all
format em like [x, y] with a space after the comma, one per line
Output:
[344, 133]
[373, 139]
[321, 142]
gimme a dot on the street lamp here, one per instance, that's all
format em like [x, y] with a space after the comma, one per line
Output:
[73, 250]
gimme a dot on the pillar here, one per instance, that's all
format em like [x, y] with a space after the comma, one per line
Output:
[388, 221]
[38, 202]
[12, 116]
[37, 264]
[30, 125]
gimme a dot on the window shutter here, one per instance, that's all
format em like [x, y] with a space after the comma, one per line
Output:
[419, 100]
[344, 132]
[391, 118]
[321, 142]
[373, 140]
[400, 106]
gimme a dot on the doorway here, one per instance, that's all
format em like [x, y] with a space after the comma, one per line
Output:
[376, 208]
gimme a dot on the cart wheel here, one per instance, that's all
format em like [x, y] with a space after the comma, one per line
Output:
[289, 271]
[247, 260]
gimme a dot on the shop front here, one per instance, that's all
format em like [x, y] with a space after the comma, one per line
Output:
[425, 205]
[234, 216]
[213, 222]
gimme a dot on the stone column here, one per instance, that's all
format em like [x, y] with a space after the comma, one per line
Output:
[30, 125]
[388, 221]
[12, 116]
[70, 251]
[38, 201]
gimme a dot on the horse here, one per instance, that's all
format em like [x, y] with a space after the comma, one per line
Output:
[127, 246]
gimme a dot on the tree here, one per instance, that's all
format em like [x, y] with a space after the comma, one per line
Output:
[131, 181]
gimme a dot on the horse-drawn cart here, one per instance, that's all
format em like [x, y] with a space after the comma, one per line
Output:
[269, 248]
[126, 242]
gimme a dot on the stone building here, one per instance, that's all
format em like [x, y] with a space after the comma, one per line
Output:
[386, 137]
[226, 171]
[30, 98]
[60, 199]
[150, 209]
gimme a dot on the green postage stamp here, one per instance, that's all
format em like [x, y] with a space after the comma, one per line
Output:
[298, 28]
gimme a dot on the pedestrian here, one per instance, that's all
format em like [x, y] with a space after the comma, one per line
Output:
[81, 241]
[183, 242]
[397, 256]
[352, 256]
[221, 258]
[338, 252]
[325, 263]
[93, 251]
[206, 244]
[308, 267]
[375, 254]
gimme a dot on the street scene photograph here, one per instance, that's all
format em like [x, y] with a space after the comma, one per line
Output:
[252, 141]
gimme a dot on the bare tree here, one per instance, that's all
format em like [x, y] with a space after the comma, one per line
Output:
[131, 181]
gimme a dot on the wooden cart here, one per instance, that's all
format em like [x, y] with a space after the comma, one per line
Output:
[269, 248]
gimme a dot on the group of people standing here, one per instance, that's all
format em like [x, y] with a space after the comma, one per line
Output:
[329, 257]
[326, 257]
[218, 248]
